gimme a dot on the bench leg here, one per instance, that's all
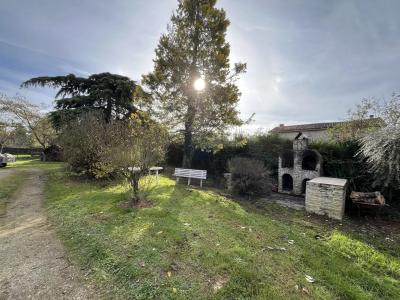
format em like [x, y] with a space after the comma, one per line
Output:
[201, 182]
[157, 177]
[177, 179]
[189, 181]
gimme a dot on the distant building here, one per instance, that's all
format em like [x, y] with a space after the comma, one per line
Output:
[315, 131]
[319, 131]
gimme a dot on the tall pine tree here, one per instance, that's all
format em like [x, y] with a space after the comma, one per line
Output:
[195, 47]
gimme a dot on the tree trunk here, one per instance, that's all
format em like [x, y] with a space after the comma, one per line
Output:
[188, 151]
[135, 188]
[109, 111]
[188, 147]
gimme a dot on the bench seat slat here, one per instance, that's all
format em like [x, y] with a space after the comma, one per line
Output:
[190, 173]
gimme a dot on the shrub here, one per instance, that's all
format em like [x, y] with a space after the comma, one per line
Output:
[339, 160]
[101, 149]
[52, 153]
[267, 148]
[381, 151]
[249, 177]
[87, 145]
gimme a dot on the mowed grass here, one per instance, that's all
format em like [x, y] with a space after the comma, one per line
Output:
[26, 161]
[197, 244]
[8, 186]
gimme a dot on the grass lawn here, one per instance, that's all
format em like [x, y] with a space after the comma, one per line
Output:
[197, 244]
[26, 161]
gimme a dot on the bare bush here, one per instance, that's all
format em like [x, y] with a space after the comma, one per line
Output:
[381, 148]
[249, 177]
[87, 146]
[140, 145]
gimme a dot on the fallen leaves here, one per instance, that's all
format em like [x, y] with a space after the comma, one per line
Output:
[274, 248]
[302, 289]
[309, 278]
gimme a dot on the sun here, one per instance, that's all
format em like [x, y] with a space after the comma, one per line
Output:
[199, 84]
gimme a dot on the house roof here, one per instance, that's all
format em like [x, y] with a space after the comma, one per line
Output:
[318, 126]
[304, 127]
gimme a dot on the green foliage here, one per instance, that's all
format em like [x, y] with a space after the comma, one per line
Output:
[249, 177]
[263, 147]
[339, 160]
[267, 148]
[195, 46]
[103, 149]
[87, 145]
[115, 96]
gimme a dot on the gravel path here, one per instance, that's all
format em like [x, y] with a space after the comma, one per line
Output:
[32, 260]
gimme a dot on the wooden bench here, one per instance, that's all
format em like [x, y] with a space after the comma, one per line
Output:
[190, 173]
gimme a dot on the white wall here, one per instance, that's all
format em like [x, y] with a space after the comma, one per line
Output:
[314, 135]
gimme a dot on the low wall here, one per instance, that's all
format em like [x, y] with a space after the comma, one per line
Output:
[326, 196]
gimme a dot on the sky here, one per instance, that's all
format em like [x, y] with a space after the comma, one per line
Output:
[308, 60]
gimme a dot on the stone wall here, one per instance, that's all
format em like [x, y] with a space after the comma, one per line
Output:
[297, 173]
[326, 196]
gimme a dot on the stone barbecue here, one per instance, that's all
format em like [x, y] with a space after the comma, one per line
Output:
[298, 166]
[326, 196]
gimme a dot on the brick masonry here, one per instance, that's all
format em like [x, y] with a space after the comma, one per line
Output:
[326, 196]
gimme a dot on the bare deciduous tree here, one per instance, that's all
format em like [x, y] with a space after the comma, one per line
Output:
[6, 129]
[30, 116]
[140, 146]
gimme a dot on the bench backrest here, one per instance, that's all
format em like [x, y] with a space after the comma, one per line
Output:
[190, 173]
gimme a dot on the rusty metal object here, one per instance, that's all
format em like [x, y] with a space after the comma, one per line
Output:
[369, 201]
[374, 198]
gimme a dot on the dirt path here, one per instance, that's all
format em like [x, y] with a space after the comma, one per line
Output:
[5, 172]
[32, 261]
